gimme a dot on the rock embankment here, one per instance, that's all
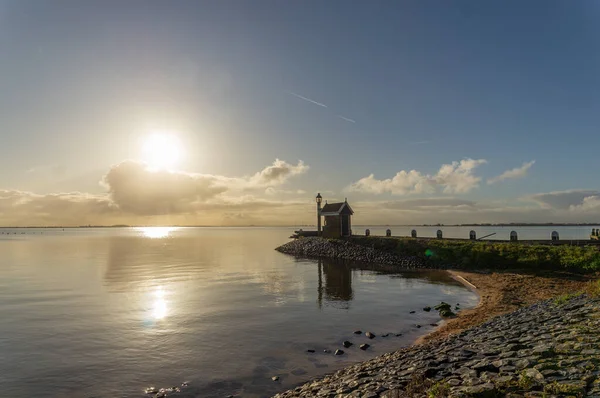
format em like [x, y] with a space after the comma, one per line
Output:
[345, 250]
[544, 350]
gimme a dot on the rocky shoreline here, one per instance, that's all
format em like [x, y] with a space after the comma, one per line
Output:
[547, 349]
[313, 247]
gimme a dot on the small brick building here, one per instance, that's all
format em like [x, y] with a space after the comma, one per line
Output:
[338, 221]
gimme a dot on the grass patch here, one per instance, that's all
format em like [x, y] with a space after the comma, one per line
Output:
[564, 389]
[592, 288]
[439, 390]
[565, 298]
[489, 254]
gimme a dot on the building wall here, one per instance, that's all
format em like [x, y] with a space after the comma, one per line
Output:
[332, 227]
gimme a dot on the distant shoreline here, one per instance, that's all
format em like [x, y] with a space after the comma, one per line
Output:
[311, 226]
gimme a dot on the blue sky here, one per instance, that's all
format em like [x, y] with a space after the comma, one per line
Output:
[394, 86]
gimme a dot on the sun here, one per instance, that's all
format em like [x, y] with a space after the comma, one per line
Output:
[162, 151]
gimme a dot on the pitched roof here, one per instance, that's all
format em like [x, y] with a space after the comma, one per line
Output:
[331, 209]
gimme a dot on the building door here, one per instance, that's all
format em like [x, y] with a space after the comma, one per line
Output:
[345, 225]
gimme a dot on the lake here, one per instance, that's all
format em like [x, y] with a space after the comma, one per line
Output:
[108, 312]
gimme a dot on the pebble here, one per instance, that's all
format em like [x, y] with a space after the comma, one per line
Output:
[339, 352]
[314, 247]
[275, 378]
[370, 335]
[310, 351]
[358, 332]
[347, 344]
[533, 352]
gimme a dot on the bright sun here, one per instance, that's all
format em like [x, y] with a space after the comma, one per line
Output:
[162, 151]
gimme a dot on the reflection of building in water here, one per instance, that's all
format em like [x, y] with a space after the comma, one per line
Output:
[335, 283]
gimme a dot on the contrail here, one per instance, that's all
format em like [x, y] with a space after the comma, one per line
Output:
[306, 99]
[346, 119]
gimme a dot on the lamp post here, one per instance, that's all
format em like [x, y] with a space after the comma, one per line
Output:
[319, 199]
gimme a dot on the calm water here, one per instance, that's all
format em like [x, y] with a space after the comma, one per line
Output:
[108, 312]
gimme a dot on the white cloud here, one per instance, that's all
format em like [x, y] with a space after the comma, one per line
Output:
[277, 173]
[561, 199]
[517, 172]
[456, 177]
[589, 203]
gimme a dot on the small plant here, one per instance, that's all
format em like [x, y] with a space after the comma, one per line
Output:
[439, 390]
[593, 288]
[564, 298]
[526, 382]
[563, 389]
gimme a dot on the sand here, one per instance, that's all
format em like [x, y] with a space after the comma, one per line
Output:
[504, 292]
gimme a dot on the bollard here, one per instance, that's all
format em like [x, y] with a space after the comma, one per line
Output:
[413, 233]
[439, 234]
[388, 232]
[367, 232]
[472, 235]
[554, 235]
[513, 236]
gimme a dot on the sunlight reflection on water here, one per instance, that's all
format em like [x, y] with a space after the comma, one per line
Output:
[156, 232]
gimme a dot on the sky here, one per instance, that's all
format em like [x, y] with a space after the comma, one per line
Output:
[239, 112]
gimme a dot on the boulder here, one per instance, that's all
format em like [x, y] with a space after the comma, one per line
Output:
[347, 344]
[364, 346]
[370, 335]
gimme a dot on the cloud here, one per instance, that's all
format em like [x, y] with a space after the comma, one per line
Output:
[589, 203]
[73, 208]
[134, 188]
[517, 172]
[137, 189]
[277, 173]
[456, 177]
[561, 199]
[273, 191]
[307, 99]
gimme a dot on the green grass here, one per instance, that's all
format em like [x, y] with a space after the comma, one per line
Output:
[494, 255]
[564, 298]
[439, 390]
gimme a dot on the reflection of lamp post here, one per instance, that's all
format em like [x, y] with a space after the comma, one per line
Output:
[319, 199]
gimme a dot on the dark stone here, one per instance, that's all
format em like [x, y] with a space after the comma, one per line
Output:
[358, 332]
[434, 324]
[364, 346]
[385, 335]
[417, 325]
[427, 309]
[370, 335]
[412, 312]
[339, 352]
[326, 351]
[442, 306]
[398, 334]
[310, 350]
[347, 344]
[446, 313]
